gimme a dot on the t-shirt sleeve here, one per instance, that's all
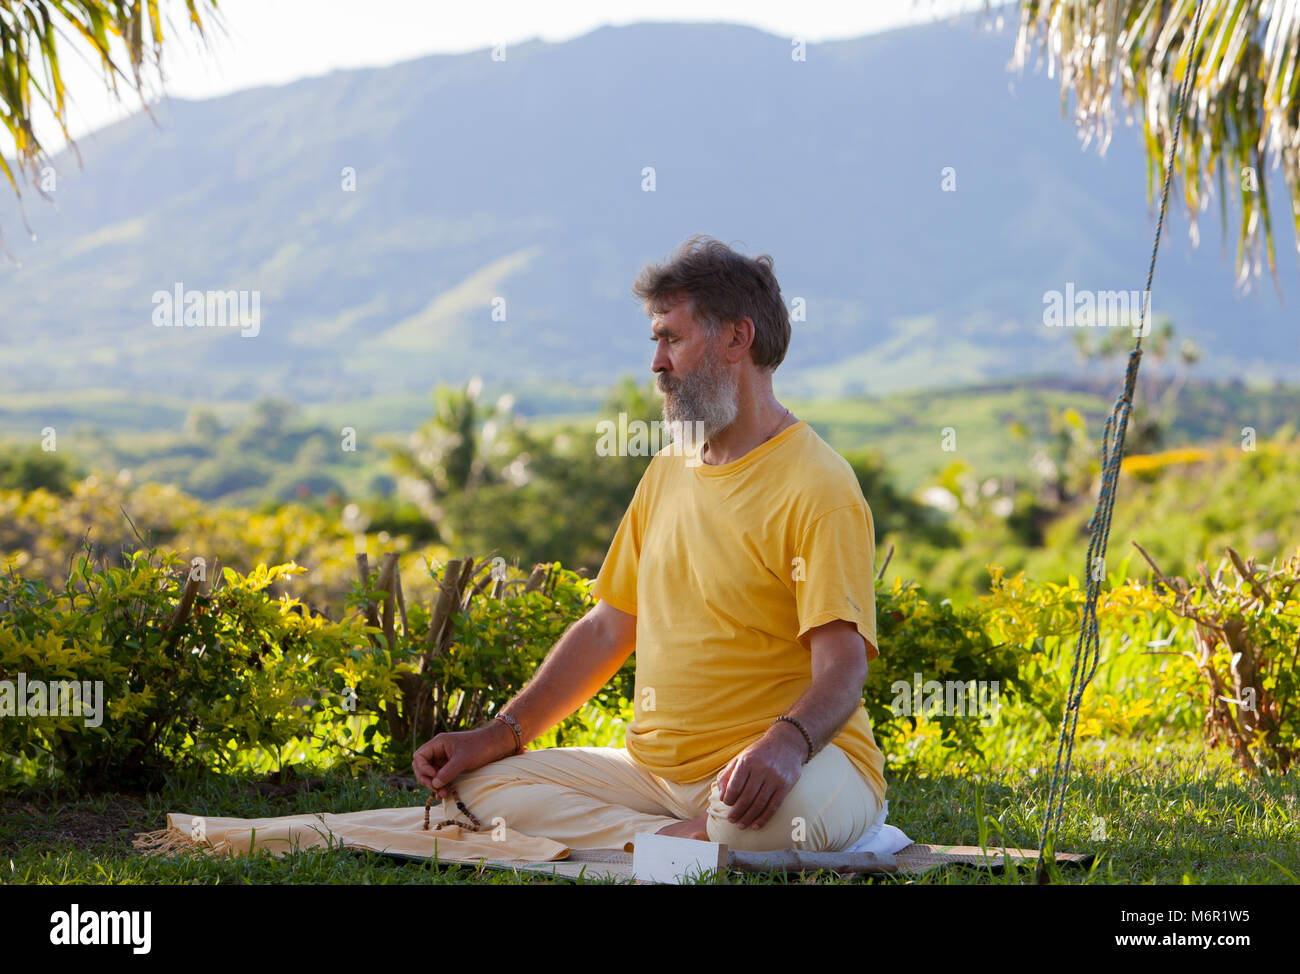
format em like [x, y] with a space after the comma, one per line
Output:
[616, 582]
[839, 577]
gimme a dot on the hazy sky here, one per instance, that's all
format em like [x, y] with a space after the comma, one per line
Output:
[277, 41]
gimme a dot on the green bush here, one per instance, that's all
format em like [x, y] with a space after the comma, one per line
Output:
[241, 673]
[939, 642]
[499, 644]
[1244, 646]
[484, 652]
[244, 678]
[178, 688]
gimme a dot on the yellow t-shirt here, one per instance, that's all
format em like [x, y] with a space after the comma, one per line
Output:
[726, 568]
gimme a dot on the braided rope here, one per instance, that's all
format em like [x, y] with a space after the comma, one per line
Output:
[1087, 652]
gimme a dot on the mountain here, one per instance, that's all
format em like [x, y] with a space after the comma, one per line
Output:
[521, 180]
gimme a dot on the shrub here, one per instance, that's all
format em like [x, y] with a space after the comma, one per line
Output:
[1137, 689]
[458, 660]
[211, 679]
[1245, 640]
[187, 678]
[938, 642]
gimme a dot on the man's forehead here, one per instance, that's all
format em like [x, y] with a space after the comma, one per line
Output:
[676, 308]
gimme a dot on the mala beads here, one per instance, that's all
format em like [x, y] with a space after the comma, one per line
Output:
[474, 826]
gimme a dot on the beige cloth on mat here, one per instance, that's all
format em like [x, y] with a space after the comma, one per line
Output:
[393, 830]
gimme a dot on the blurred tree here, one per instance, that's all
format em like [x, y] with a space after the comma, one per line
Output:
[267, 430]
[202, 425]
[490, 483]
[455, 452]
[211, 479]
[895, 514]
[1156, 393]
[578, 493]
[26, 470]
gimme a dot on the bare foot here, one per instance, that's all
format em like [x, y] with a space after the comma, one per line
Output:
[694, 828]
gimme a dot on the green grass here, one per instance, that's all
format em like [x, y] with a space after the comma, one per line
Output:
[1173, 814]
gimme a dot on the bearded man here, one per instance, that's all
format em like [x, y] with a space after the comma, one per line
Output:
[742, 576]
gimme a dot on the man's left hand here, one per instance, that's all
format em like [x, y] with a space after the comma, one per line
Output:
[756, 780]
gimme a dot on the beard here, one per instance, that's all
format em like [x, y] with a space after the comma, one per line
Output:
[700, 404]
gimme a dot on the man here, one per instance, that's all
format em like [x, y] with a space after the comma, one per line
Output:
[743, 577]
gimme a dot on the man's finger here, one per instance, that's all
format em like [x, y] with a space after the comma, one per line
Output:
[423, 770]
[447, 774]
[774, 805]
[427, 760]
[759, 802]
[756, 804]
[753, 785]
[767, 805]
[735, 784]
[722, 779]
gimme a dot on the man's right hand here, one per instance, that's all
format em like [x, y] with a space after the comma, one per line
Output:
[439, 761]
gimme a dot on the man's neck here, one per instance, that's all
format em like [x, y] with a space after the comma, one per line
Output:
[752, 428]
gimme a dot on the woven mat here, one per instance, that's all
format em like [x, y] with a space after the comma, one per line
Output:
[915, 859]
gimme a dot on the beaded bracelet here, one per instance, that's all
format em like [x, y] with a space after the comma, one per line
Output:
[514, 729]
[802, 731]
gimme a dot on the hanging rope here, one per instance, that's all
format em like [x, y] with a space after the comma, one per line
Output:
[1087, 653]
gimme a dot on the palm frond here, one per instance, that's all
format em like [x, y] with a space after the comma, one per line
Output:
[33, 36]
[1243, 115]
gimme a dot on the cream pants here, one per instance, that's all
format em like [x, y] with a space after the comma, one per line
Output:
[601, 797]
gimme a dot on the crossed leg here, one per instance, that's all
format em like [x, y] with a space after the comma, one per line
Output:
[827, 810]
[599, 797]
[585, 797]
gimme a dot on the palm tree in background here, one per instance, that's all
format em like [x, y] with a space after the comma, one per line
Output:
[36, 36]
[461, 448]
[452, 450]
[1243, 111]
[1157, 389]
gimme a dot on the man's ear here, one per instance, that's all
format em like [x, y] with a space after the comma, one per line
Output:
[740, 339]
